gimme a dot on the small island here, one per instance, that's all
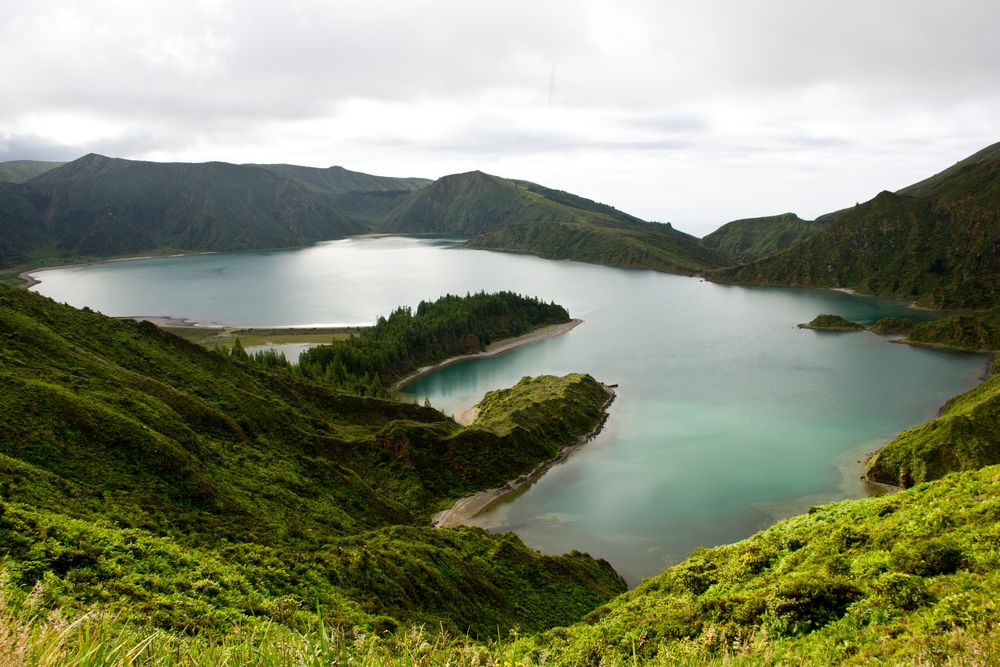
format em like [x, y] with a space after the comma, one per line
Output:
[827, 322]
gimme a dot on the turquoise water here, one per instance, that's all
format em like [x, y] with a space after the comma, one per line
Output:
[728, 416]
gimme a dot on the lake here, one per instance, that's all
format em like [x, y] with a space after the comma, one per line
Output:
[728, 416]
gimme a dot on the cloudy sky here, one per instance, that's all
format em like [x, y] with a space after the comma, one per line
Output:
[694, 112]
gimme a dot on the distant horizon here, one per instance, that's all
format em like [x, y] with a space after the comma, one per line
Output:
[700, 232]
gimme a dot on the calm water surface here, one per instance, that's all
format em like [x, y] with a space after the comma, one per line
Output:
[727, 417]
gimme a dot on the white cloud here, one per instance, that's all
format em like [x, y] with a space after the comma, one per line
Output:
[694, 112]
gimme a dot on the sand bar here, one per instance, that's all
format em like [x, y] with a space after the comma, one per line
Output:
[468, 507]
[493, 349]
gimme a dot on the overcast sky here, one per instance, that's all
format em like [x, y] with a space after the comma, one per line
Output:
[693, 112]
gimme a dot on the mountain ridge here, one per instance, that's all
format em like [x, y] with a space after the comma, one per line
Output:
[512, 215]
[940, 249]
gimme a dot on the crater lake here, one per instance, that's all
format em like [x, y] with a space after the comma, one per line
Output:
[728, 417]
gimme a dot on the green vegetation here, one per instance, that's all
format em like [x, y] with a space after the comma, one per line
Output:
[909, 578]
[543, 405]
[896, 579]
[966, 436]
[892, 325]
[641, 246]
[936, 247]
[98, 207]
[503, 214]
[979, 331]
[400, 344]
[22, 171]
[163, 503]
[178, 488]
[750, 239]
[990, 153]
[826, 322]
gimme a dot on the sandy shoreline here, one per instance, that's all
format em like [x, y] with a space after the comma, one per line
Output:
[28, 276]
[493, 349]
[468, 507]
[468, 416]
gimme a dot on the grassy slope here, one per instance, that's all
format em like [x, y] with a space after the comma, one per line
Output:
[926, 186]
[978, 331]
[753, 238]
[898, 578]
[338, 180]
[22, 230]
[360, 197]
[938, 248]
[504, 214]
[909, 578]
[966, 436]
[542, 405]
[98, 207]
[21, 171]
[145, 474]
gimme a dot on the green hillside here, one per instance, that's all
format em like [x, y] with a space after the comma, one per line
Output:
[503, 214]
[966, 435]
[938, 248]
[180, 488]
[337, 180]
[646, 246]
[468, 205]
[979, 331]
[988, 154]
[22, 230]
[21, 171]
[357, 196]
[98, 207]
[910, 578]
[750, 239]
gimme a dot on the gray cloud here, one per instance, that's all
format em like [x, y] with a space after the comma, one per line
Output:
[690, 92]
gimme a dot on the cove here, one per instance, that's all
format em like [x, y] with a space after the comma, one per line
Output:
[728, 416]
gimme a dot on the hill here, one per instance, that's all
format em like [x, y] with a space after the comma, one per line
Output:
[966, 435]
[988, 154]
[752, 238]
[22, 230]
[909, 578]
[504, 214]
[99, 207]
[938, 248]
[358, 196]
[191, 491]
[21, 171]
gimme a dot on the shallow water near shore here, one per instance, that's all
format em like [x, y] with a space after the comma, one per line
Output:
[727, 416]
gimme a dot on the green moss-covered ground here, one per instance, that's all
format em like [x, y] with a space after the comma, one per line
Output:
[903, 579]
[965, 437]
[147, 477]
